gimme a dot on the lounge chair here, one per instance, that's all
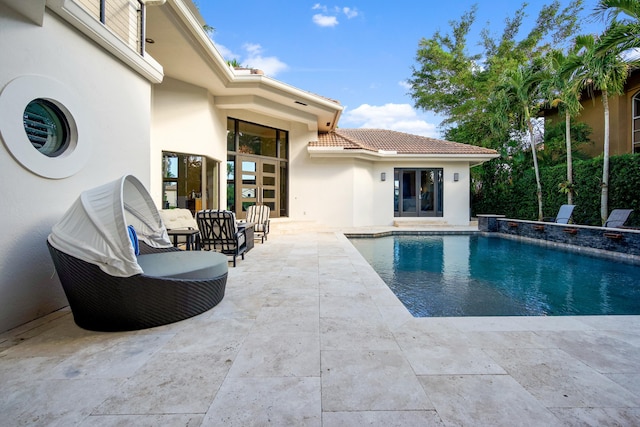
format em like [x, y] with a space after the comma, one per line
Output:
[219, 232]
[259, 215]
[112, 287]
[564, 215]
[617, 218]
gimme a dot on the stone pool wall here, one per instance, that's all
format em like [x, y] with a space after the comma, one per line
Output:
[614, 242]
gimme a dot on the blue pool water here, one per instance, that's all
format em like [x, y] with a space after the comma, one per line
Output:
[470, 275]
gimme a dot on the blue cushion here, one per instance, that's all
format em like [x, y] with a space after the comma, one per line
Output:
[134, 239]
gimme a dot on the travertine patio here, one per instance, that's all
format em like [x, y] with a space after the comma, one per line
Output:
[309, 335]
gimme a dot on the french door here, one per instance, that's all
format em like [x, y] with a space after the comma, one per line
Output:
[418, 192]
[259, 184]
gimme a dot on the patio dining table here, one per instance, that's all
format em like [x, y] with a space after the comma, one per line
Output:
[192, 237]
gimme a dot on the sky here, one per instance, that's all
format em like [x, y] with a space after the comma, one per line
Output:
[360, 53]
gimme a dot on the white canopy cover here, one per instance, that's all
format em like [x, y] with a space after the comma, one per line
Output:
[94, 229]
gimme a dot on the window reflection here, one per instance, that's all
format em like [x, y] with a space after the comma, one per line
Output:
[182, 181]
[256, 139]
[418, 192]
[249, 166]
[257, 161]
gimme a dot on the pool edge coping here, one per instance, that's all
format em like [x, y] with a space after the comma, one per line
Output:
[583, 250]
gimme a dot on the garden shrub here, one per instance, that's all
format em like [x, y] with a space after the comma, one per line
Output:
[513, 192]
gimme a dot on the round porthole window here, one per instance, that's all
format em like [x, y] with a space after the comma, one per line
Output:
[47, 127]
[44, 125]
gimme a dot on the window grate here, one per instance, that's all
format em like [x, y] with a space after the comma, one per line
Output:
[46, 127]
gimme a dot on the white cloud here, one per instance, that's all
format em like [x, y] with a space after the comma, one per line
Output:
[226, 53]
[324, 20]
[350, 13]
[405, 84]
[253, 57]
[398, 117]
[252, 49]
[329, 18]
[271, 65]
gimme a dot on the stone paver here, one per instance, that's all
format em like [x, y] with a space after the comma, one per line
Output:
[309, 335]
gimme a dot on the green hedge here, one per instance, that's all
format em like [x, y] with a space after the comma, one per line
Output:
[513, 192]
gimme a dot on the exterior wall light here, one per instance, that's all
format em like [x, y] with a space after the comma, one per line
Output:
[456, 176]
[383, 176]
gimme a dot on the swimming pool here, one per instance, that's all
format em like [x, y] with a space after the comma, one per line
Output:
[473, 275]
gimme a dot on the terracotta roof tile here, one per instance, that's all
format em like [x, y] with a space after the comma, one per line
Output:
[389, 140]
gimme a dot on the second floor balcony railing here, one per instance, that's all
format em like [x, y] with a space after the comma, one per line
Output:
[124, 18]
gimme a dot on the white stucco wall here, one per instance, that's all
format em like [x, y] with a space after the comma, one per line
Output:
[346, 192]
[185, 120]
[115, 122]
[456, 196]
[322, 190]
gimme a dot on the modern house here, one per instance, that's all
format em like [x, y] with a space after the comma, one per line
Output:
[91, 90]
[624, 119]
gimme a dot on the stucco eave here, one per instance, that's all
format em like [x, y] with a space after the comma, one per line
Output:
[326, 112]
[188, 54]
[267, 107]
[387, 156]
[257, 81]
[193, 23]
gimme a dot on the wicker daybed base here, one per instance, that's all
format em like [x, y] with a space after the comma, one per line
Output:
[101, 302]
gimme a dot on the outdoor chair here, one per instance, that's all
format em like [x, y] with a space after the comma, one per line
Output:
[118, 269]
[179, 224]
[617, 218]
[219, 232]
[259, 215]
[564, 215]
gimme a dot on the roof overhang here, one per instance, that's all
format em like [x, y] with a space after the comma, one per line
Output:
[267, 107]
[392, 156]
[186, 53]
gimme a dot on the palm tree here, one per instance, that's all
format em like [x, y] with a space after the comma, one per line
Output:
[623, 26]
[600, 70]
[623, 34]
[521, 90]
[563, 91]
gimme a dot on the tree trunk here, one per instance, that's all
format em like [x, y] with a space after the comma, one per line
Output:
[567, 118]
[535, 168]
[604, 197]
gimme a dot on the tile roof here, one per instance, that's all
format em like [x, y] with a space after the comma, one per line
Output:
[389, 140]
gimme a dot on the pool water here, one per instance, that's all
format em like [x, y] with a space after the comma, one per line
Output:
[471, 275]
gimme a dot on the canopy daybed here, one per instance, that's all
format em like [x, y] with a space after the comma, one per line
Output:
[109, 286]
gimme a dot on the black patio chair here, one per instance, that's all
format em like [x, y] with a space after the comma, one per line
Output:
[219, 232]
